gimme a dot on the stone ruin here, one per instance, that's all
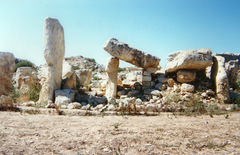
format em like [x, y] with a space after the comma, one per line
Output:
[185, 72]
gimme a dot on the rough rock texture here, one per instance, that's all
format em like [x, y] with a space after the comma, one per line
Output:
[64, 97]
[67, 70]
[112, 73]
[83, 76]
[85, 63]
[69, 82]
[187, 87]
[129, 54]
[54, 50]
[220, 78]
[229, 56]
[24, 79]
[189, 59]
[185, 76]
[7, 66]
[232, 71]
[6, 102]
[152, 92]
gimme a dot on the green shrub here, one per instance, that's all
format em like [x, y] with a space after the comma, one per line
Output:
[75, 68]
[91, 60]
[34, 92]
[120, 69]
[25, 64]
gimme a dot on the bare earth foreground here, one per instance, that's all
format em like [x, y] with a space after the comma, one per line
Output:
[163, 134]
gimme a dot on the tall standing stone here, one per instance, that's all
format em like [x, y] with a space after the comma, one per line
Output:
[220, 78]
[7, 66]
[112, 73]
[54, 50]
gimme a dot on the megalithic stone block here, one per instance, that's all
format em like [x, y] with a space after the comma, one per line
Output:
[112, 73]
[129, 54]
[54, 50]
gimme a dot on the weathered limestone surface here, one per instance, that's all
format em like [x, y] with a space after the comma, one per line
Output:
[24, 79]
[189, 59]
[64, 97]
[70, 82]
[7, 66]
[83, 76]
[220, 78]
[129, 54]
[54, 50]
[185, 76]
[67, 70]
[232, 71]
[187, 87]
[112, 73]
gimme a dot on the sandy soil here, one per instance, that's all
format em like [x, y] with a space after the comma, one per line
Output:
[163, 134]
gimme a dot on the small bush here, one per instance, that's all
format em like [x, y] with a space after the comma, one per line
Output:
[75, 68]
[91, 60]
[34, 92]
[25, 64]
[173, 97]
[195, 106]
[120, 69]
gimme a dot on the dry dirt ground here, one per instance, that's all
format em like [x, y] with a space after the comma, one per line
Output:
[163, 134]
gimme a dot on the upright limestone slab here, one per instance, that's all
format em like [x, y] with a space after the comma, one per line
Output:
[24, 79]
[7, 66]
[189, 59]
[54, 50]
[220, 78]
[129, 54]
[112, 72]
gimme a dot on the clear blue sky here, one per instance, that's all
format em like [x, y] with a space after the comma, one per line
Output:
[158, 27]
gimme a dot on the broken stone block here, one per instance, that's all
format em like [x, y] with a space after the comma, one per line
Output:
[186, 76]
[64, 97]
[129, 54]
[84, 76]
[189, 59]
[146, 78]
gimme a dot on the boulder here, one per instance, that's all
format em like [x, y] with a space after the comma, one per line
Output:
[152, 92]
[162, 79]
[83, 76]
[170, 82]
[160, 86]
[69, 82]
[220, 78]
[7, 67]
[112, 72]
[186, 76]
[129, 54]
[132, 93]
[54, 50]
[187, 87]
[64, 97]
[189, 59]
[137, 86]
[74, 105]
